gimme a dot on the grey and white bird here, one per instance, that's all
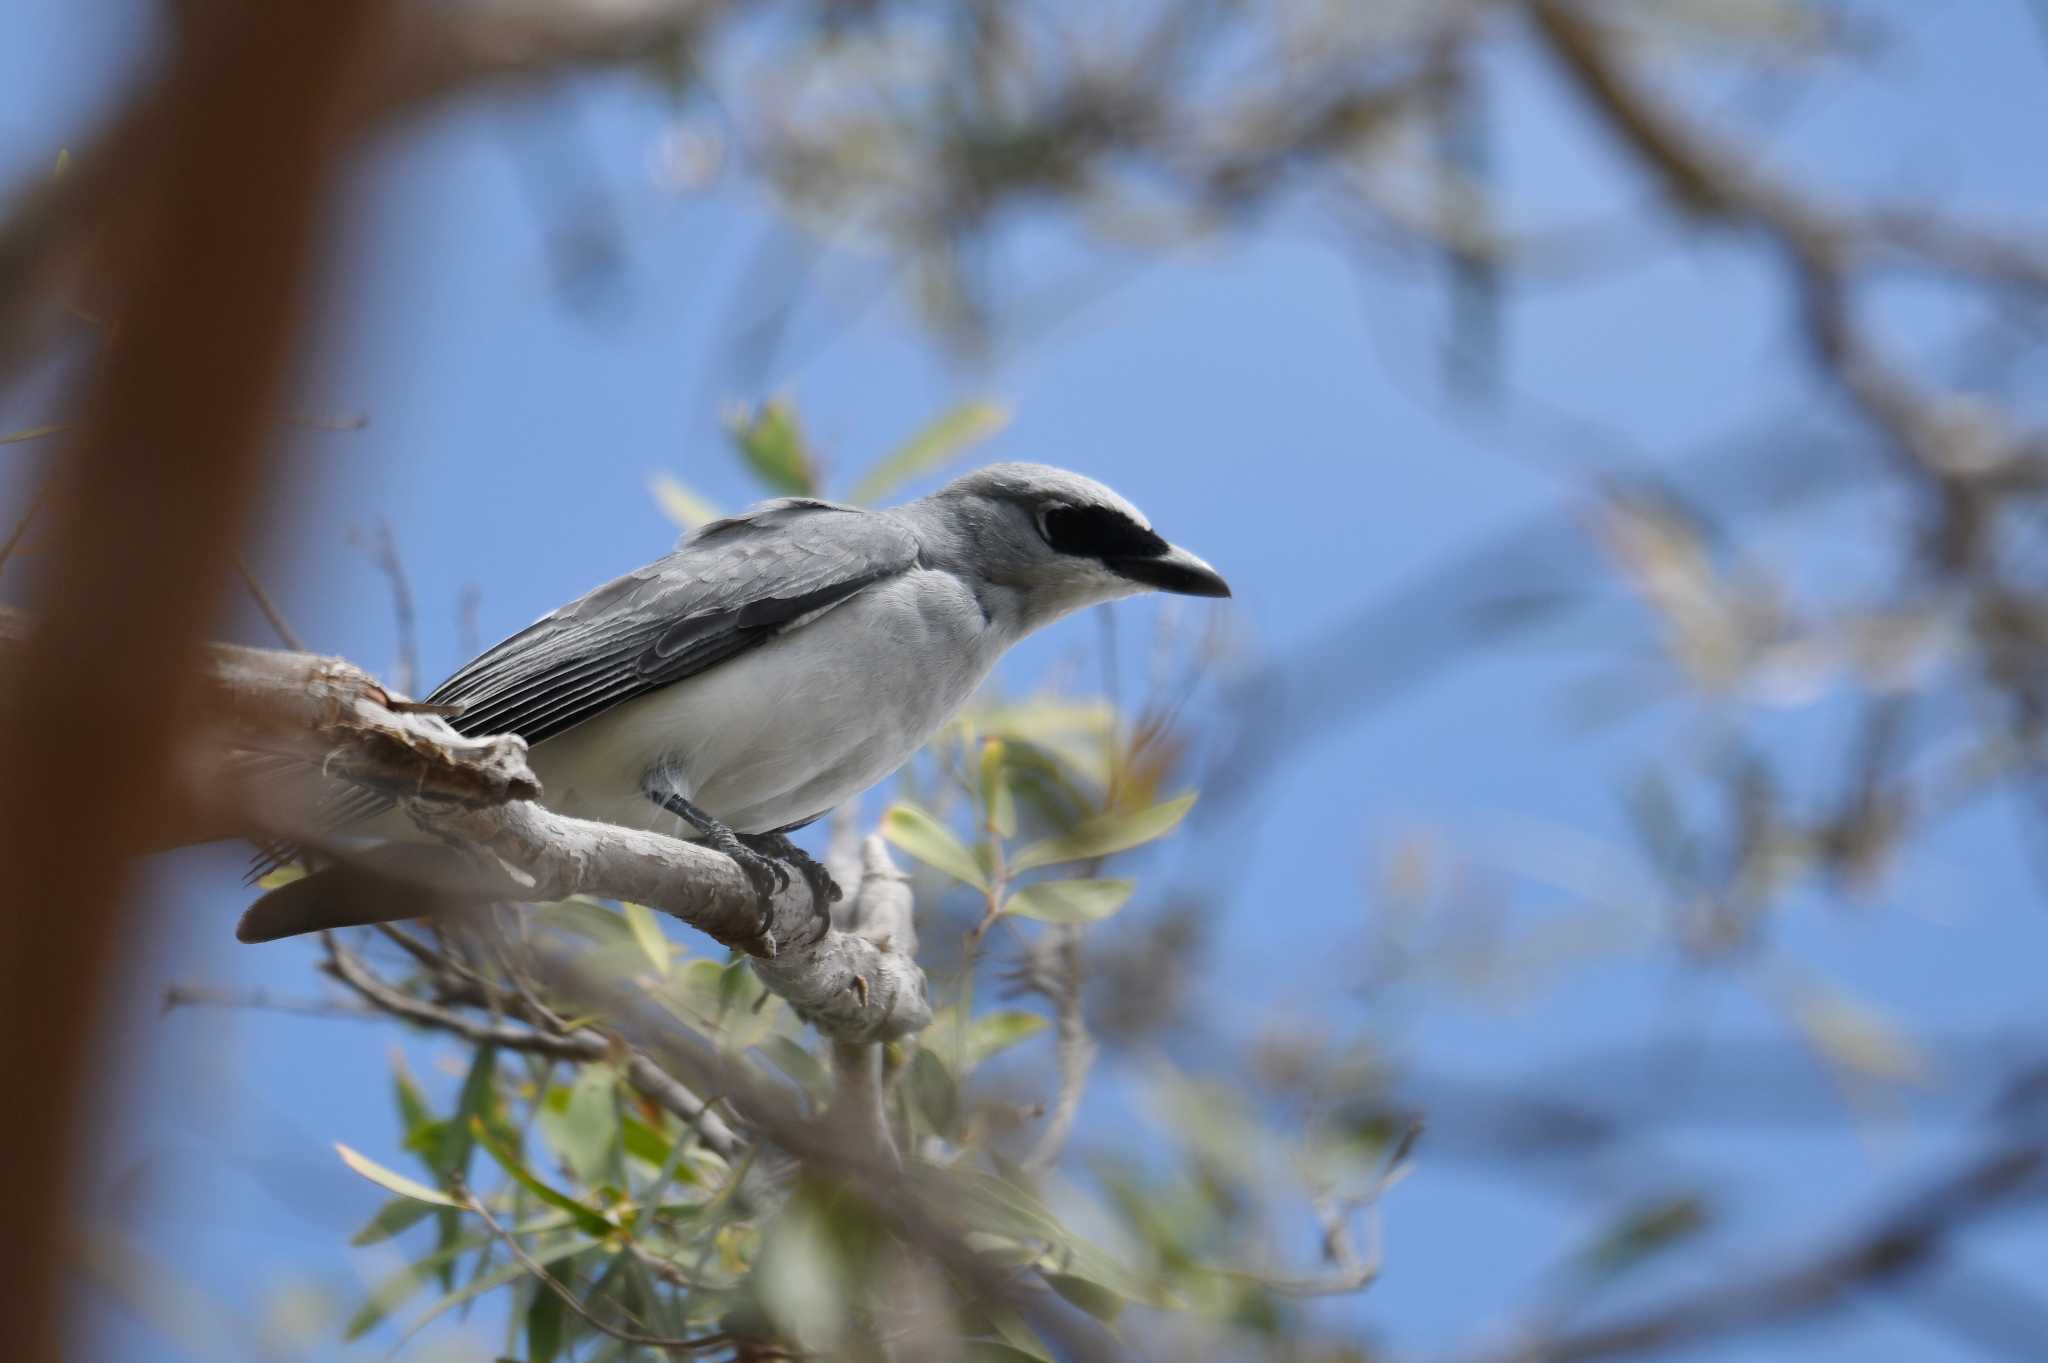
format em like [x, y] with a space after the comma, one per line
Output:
[782, 661]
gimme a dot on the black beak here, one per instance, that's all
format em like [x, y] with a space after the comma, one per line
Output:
[1176, 571]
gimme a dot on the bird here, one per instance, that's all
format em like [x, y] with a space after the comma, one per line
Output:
[781, 661]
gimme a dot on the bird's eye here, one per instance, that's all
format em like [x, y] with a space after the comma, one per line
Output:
[1097, 532]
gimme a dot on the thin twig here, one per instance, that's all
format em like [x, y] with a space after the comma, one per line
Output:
[537, 1038]
[288, 636]
[695, 1344]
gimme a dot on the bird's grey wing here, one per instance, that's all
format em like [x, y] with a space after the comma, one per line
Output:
[728, 588]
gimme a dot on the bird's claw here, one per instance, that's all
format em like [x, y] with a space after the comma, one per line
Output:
[786, 856]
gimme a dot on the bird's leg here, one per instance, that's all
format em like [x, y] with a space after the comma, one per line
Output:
[768, 876]
[824, 890]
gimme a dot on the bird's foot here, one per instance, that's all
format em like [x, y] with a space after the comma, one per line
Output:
[768, 876]
[825, 891]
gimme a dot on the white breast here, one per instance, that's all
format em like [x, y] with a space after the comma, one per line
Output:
[788, 730]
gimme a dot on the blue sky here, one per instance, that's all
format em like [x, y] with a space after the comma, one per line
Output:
[1270, 405]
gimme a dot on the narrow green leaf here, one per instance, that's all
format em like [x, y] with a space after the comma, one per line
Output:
[998, 802]
[647, 932]
[400, 1213]
[489, 1282]
[1070, 901]
[587, 1219]
[931, 842]
[932, 1087]
[1016, 1333]
[993, 1033]
[544, 1325]
[679, 503]
[1098, 1301]
[1099, 837]
[997, 1351]
[945, 439]
[772, 443]
[390, 1181]
[479, 1090]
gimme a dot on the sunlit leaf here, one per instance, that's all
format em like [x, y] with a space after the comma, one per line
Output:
[993, 1033]
[278, 877]
[1070, 901]
[944, 440]
[998, 802]
[931, 842]
[772, 442]
[583, 1124]
[679, 503]
[647, 932]
[1101, 836]
[391, 1181]
[798, 1276]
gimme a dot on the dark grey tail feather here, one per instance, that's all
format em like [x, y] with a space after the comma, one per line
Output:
[387, 884]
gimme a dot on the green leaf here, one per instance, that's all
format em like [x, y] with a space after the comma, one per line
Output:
[587, 1219]
[993, 1033]
[933, 1090]
[490, 1282]
[399, 1214]
[543, 1325]
[1643, 1232]
[413, 1113]
[942, 441]
[735, 986]
[1016, 1333]
[479, 1089]
[998, 801]
[772, 443]
[1098, 1301]
[390, 1181]
[583, 1126]
[997, 1351]
[647, 932]
[799, 1064]
[931, 842]
[1070, 901]
[1100, 836]
[680, 504]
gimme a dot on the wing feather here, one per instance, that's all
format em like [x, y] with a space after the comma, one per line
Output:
[728, 588]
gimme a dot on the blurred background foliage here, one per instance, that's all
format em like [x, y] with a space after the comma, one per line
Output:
[1827, 614]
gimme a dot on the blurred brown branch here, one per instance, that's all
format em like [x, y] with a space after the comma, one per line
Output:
[153, 486]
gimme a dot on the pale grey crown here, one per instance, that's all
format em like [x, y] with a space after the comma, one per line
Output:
[1046, 541]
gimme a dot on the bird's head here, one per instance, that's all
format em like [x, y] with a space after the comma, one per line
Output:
[1051, 542]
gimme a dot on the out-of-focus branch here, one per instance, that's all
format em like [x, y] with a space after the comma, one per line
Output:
[67, 229]
[1824, 245]
[329, 712]
[1894, 1245]
[151, 490]
[1059, 979]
